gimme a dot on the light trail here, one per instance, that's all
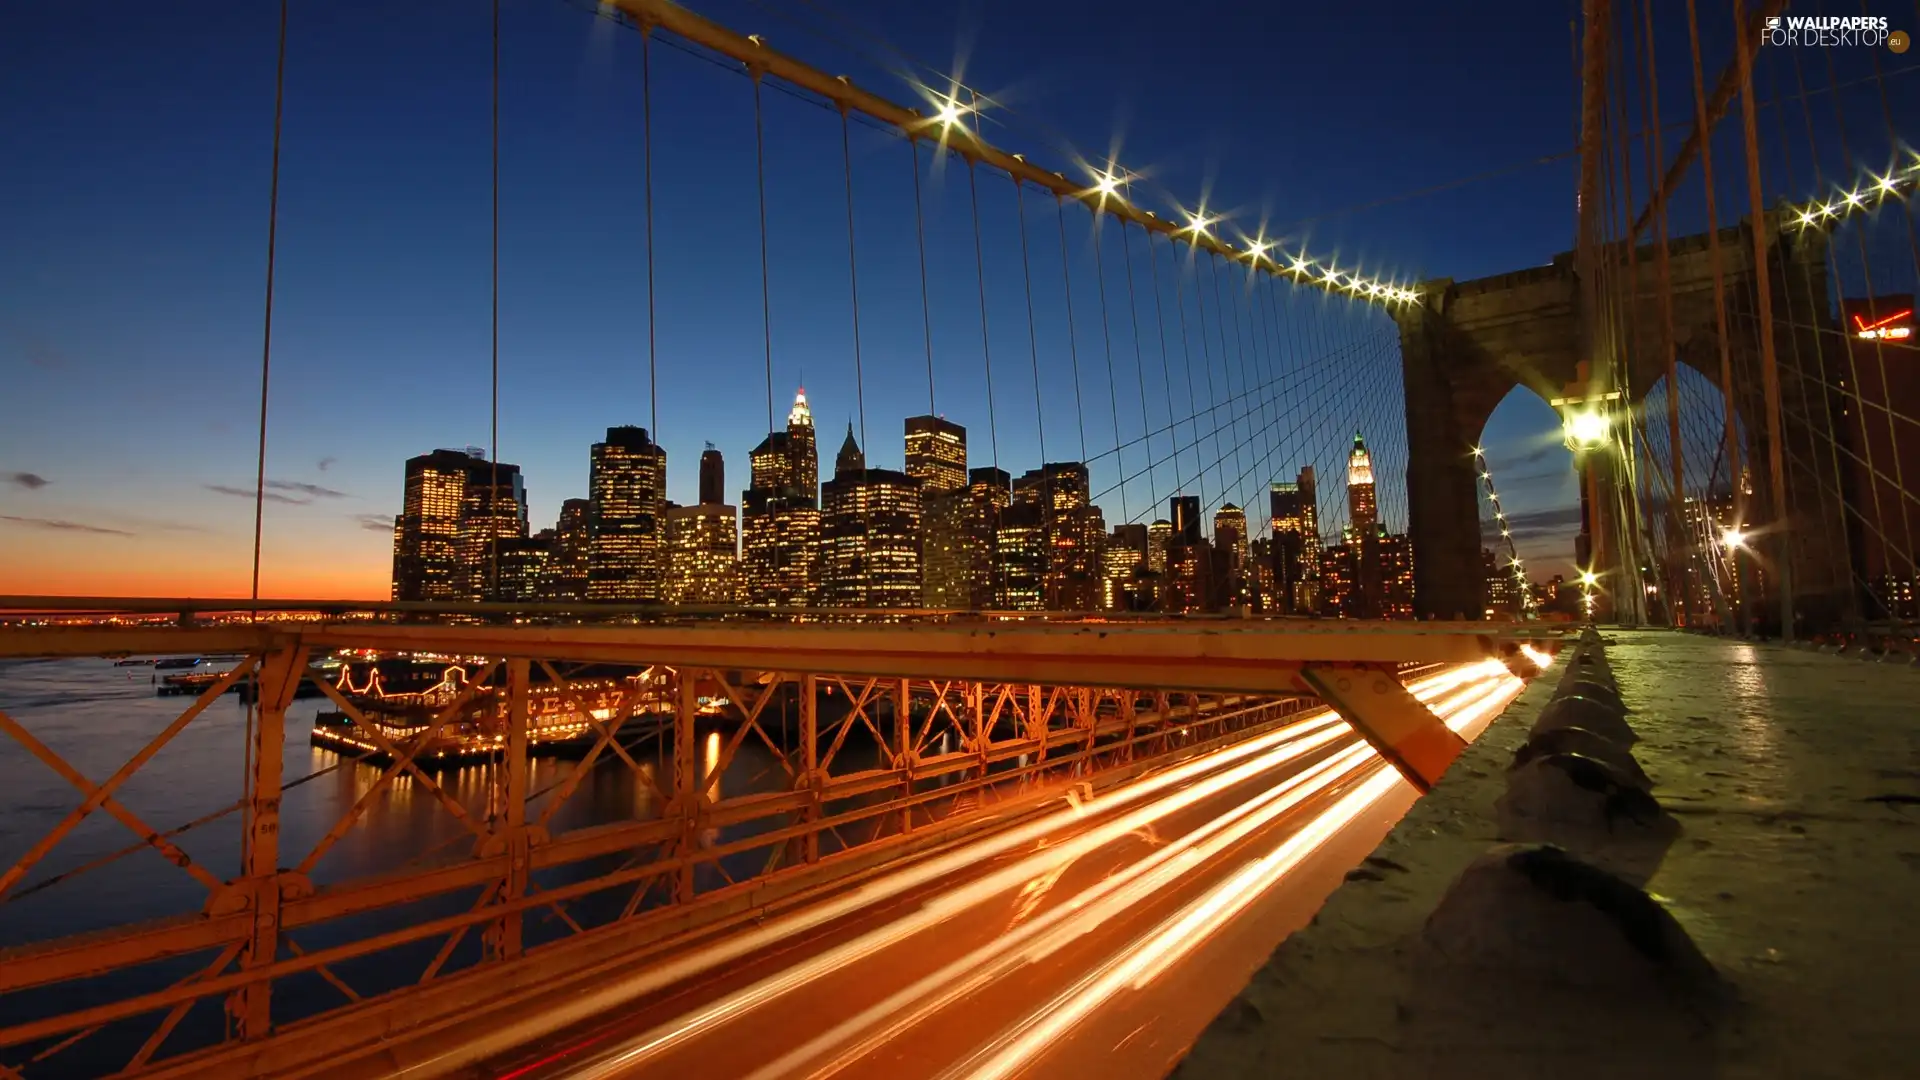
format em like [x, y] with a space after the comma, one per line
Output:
[1176, 938]
[784, 928]
[1461, 696]
[1050, 932]
[941, 908]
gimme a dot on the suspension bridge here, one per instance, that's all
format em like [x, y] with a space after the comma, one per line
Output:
[1054, 743]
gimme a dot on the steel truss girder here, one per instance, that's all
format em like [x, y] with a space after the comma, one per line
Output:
[1391, 719]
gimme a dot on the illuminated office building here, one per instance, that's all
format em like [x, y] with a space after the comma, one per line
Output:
[869, 535]
[936, 453]
[524, 567]
[1503, 591]
[1159, 535]
[1296, 544]
[703, 564]
[1123, 566]
[566, 575]
[1020, 558]
[946, 549]
[989, 492]
[1260, 571]
[1230, 548]
[627, 490]
[455, 508]
[1075, 531]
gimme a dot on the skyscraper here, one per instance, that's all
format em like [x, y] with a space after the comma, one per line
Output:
[1363, 512]
[1184, 511]
[713, 477]
[989, 492]
[1074, 531]
[802, 455]
[573, 536]
[869, 534]
[1159, 535]
[456, 508]
[1308, 590]
[1020, 558]
[1295, 561]
[627, 490]
[946, 551]
[936, 453]
[1123, 564]
[703, 566]
[524, 564]
[780, 516]
[1230, 546]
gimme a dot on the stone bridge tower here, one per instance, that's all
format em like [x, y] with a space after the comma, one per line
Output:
[1467, 344]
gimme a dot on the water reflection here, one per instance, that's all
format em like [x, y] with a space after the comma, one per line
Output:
[97, 716]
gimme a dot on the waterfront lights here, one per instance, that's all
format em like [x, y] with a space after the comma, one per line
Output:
[1586, 429]
[1733, 537]
[1589, 579]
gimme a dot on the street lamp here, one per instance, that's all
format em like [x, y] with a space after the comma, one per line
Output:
[1586, 430]
[1733, 537]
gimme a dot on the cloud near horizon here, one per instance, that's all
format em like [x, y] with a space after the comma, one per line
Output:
[375, 522]
[62, 525]
[30, 481]
[303, 494]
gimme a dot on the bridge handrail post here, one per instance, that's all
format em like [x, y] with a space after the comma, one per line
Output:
[504, 938]
[809, 773]
[688, 790]
[280, 673]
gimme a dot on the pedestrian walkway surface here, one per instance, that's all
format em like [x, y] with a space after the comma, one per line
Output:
[1795, 781]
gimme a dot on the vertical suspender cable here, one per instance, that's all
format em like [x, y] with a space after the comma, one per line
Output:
[1033, 343]
[1139, 364]
[266, 333]
[766, 288]
[1769, 370]
[646, 111]
[1106, 341]
[1073, 344]
[1731, 447]
[853, 275]
[266, 369]
[986, 344]
[920, 234]
[493, 450]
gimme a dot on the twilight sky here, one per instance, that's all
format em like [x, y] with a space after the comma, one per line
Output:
[133, 207]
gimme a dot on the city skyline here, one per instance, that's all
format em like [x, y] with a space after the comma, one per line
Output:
[937, 535]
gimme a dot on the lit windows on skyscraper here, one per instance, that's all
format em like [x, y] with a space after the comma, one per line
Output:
[936, 453]
[703, 566]
[627, 486]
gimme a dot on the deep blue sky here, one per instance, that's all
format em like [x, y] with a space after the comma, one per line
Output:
[133, 196]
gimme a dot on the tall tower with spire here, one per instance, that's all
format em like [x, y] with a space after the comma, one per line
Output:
[802, 451]
[1363, 511]
[780, 542]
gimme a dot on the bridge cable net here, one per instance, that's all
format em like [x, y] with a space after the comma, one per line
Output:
[1769, 436]
[473, 795]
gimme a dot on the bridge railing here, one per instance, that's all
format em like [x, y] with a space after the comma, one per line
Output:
[434, 843]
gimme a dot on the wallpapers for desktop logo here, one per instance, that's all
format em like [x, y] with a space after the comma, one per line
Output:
[1833, 31]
